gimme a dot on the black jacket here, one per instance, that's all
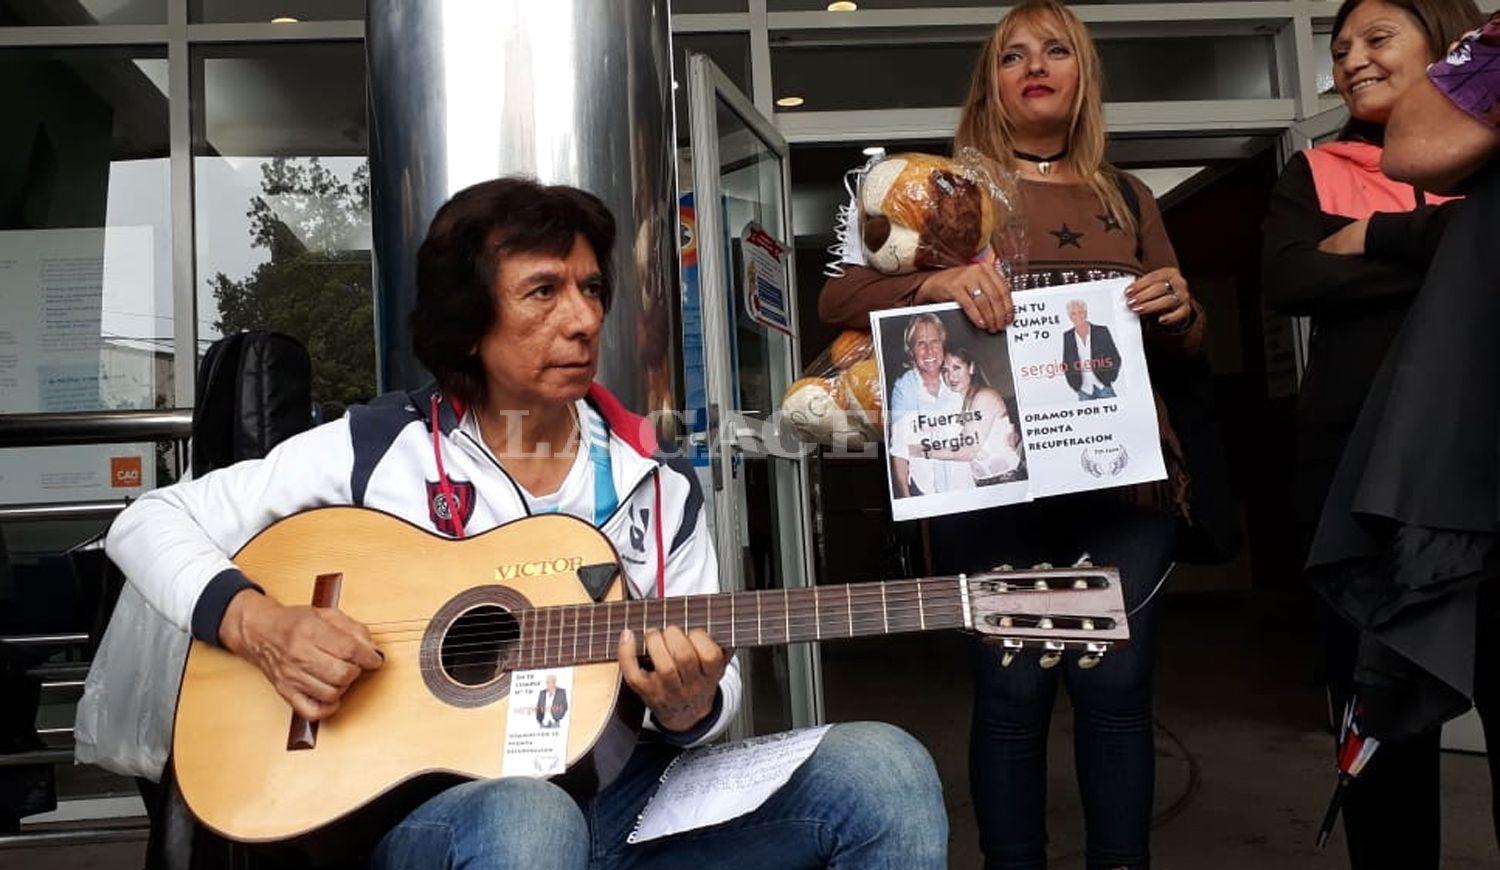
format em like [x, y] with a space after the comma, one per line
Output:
[1357, 305]
[1105, 357]
[1408, 535]
[559, 705]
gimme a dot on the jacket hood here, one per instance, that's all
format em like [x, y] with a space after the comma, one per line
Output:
[1364, 155]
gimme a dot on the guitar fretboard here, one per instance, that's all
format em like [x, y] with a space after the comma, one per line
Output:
[587, 633]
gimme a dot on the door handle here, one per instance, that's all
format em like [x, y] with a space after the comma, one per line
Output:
[711, 440]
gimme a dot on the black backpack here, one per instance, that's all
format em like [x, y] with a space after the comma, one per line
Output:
[254, 391]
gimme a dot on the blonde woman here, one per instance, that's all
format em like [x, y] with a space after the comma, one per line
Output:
[1035, 106]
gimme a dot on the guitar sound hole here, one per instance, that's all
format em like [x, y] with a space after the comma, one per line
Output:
[478, 647]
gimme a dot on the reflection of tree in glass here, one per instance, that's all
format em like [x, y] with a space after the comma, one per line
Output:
[316, 286]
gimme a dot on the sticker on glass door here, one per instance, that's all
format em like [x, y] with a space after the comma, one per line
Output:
[767, 280]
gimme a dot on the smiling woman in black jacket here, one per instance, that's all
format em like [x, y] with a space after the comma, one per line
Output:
[1356, 292]
[1349, 247]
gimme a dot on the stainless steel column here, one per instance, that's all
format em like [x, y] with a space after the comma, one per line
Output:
[569, 91]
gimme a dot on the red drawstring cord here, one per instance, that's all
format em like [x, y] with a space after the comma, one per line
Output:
[455, 510]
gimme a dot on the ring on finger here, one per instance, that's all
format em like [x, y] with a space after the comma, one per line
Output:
[976, 292]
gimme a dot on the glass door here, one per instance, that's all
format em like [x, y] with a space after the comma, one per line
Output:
[746, 304]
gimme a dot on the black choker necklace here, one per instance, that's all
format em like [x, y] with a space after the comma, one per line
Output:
[1043, 164]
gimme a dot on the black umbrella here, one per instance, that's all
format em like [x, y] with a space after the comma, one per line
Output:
[1407, 537]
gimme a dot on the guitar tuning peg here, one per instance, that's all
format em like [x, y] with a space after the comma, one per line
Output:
[1002, 568]
[1089, 661]
[1080, 583]
[1007, 622]
[1049, 660]
[1084, 561]
[1041, 566]
[1045, 623]
[1012, 648]
[1040, 586]
[1088, 625]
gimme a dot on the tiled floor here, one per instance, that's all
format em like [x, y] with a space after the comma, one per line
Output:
[1243, 765]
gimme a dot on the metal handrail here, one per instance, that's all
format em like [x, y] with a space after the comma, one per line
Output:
[37, 756]
[62, 510]
[58, 670]
[45, 639]
[95, 427]
[51, 430]
[134, 833]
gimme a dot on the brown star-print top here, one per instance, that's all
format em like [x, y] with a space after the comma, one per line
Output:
[1070, 238]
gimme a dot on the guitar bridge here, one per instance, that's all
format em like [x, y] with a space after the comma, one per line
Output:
[304, 734]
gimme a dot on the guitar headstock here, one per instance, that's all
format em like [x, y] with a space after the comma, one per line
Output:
[1051, 609]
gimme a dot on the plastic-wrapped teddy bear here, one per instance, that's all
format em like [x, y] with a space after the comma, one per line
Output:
[840, 406]
[911, 211]
[919, 211]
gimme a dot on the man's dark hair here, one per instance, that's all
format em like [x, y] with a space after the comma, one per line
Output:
[457, 264]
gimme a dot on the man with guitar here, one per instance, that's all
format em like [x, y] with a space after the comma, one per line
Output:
[513, 287]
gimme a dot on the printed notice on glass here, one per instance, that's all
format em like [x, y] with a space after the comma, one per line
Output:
[714, 784]
[767, 280]
[78, 333]
[536, 732]
[1059, 402]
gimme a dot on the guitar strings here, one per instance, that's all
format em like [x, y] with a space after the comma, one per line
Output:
[533, 659]
[529, 658]
[540, 621]
[570, 620]
[825, 593]
[757, 639]
[534, 632]
[537, 643]
[675, 611]
[543, 639]
[762, 599]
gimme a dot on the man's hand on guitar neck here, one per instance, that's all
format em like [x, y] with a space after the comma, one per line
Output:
[311, 655]
[686, 667]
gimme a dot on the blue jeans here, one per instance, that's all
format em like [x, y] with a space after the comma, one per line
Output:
[869, 797]
[1113, 743]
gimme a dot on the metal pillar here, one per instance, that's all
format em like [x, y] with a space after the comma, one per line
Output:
[568, 91]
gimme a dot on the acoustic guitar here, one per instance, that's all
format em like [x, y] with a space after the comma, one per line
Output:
[456, 618]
